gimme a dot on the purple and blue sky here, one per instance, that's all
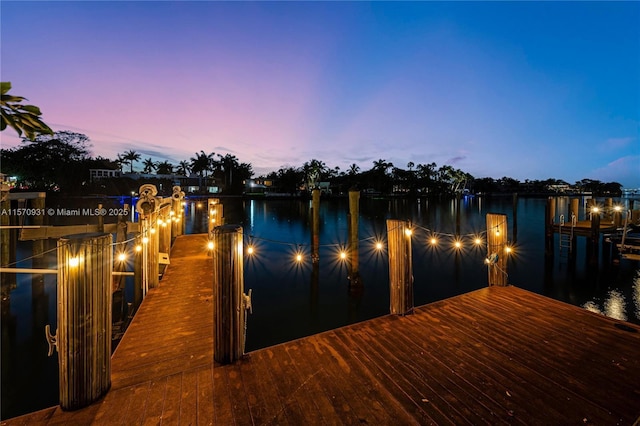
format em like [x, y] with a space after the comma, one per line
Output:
[529, 90]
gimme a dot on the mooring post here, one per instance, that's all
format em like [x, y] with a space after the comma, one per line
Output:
[315, 225]
[7, 281]
[230, 303]
[574, 211]
[147, 207]
[497, 249]
[38, 204]
[549, 220]
[138, 272]
[594, 239]
[514, 202]
[164, 230]
[352, 220]
[177, 208]
[211, 215]
[608, 209]
[400, 267]
[83, 338]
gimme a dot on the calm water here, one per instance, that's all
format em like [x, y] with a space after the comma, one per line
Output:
[292, 300]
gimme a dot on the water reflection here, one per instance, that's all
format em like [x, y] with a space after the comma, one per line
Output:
[614, 306]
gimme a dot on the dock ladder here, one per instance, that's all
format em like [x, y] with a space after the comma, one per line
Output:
[566, 237]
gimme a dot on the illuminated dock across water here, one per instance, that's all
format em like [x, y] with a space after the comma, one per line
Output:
[495, 355]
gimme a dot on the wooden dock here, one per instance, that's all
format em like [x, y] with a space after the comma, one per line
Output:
[499, 355]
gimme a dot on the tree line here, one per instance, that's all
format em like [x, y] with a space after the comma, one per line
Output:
[61, 161]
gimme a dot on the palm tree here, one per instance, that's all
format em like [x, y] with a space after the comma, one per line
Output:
[164, 168]
[183, 168]
[130, 156]
[354, 169]
[149, 165]
[228, 163]
[201, 163]
[22, 118]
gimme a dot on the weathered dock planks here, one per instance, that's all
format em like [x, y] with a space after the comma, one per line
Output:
[499, 355]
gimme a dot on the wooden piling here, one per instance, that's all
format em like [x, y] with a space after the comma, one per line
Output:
[608, 209]
[228, 284]
[164, 230]
[38, 204]
[211, 214]
[138, 272]
[315, 225]
[514, 205]
[5, 238]
[549, 221]
[400, 267]
[497, 249]
[353, 245]
[84, 318]
[100, 218]
[594, 238]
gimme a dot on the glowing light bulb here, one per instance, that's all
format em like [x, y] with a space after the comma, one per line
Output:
[457, 244]
[343, 255]
[299, 257]
[210, 245]
[138, 247]
[433, 241]
[74, 261]
[250, 250]
[379, 246]
[145, 240]
[122, 257]
[408, 232]
[595, 210]
[478, 241]
[152, 230]
[507, 249]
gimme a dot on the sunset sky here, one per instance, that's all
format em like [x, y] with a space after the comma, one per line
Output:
[529, 90]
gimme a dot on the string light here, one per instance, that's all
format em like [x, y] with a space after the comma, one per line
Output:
[379, 245]
[145, 240]
[343, 255]
[250, 250]
[210, 245]
[408, 232]
[74, 262]
[138, 248]
[122, 256]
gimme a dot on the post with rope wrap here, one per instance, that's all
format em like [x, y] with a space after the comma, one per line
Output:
[83, 339]
[147, 207]
[497, 249]
[177, 221]
[230, 302]
[400, 267]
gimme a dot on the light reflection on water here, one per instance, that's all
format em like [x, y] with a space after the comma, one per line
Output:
[614, 306]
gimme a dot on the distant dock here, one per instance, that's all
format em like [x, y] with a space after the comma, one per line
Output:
[493, 356]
